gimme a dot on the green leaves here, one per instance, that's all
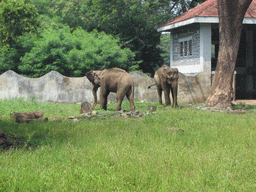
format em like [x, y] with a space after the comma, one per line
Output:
[134, 23]
[7, 57]
[73, 54]
[16, 18]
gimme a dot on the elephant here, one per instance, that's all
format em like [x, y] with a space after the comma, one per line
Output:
[166, 79]
[112, 80]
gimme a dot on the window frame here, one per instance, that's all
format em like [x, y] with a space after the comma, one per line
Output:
[186, 46]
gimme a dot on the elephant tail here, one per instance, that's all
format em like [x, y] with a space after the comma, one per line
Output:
[151, 86]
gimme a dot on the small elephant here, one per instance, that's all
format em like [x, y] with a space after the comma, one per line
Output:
[167, 80]
[112, 80]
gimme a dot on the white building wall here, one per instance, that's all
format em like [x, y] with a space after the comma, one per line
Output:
[200, 60]
[189, 64]
[205, 47]
[171, 50]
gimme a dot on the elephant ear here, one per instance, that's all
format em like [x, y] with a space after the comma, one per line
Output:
[96, 78]
[164, 75]
[176, 73]
[89, 76]
[98, 73]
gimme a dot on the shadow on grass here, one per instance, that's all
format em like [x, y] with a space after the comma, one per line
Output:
[35, 134]
[9, 137]
[31, 135]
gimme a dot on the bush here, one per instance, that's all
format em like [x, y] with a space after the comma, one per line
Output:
[8, 56]
[73, 54]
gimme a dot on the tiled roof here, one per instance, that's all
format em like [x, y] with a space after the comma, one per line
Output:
[207, 9]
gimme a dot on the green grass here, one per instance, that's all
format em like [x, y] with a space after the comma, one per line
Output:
[216, 152]
[244, 106]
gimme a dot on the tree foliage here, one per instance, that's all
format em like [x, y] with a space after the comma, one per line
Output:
[165, 47]
[73, 54]
[182, 6]
[131, 20]
[16, 18]
[72, 13]
[18, 23]
[10, 56]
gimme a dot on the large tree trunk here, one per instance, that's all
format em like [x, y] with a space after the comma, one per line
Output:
[231, 14]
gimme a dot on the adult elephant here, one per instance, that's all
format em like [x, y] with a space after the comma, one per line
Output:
[112, 80]
[167, 80]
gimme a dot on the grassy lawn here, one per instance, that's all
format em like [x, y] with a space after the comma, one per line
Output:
[216, 152]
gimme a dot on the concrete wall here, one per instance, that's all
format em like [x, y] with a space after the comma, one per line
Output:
[54, 87]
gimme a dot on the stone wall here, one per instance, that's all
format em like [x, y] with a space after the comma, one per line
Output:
[194, 89]
[54, 87]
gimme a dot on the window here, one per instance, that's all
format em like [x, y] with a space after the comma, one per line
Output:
[181, 48]
[190, 47]
[185, 46]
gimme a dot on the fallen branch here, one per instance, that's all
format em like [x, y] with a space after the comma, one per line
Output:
[28, 117]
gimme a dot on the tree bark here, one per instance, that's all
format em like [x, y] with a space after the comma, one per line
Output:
[231, 15]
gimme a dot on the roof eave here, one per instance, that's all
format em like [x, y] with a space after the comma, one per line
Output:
[188, 22]
[199, 20]
[249, 21]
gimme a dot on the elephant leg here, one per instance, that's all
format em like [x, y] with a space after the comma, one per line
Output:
[103, 99]
[94, 92]
[167, 97]
[130, 97]
[174, 91]
[119, 97]
[159, 92]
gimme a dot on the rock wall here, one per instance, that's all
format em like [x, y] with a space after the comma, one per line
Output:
[54, 87]
[194, 89]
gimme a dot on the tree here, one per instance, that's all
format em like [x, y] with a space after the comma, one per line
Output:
[181, 6]
[133, 22]
[165, 47]
[10, 57]
[16, 18]
[19, 22]
[74, 13]
[231, 14]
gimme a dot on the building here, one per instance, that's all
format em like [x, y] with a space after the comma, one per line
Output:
[195, 43]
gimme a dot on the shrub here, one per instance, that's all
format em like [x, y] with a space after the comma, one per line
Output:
[8, 56]
[73, 54]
